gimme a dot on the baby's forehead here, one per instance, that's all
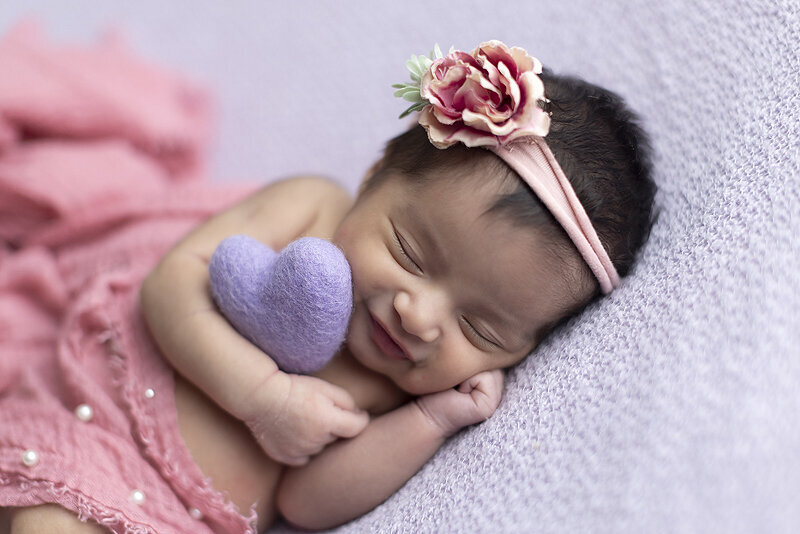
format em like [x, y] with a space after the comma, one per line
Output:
[480, 185]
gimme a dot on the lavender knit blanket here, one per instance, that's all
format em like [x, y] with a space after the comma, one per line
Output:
[674, 404]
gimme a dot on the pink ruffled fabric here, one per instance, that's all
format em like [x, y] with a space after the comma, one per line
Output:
[100, 161]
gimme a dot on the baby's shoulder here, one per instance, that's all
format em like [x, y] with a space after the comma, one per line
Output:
[312, 188]
[318, 191]
[309, 190]
[301, 205]
[328, 201]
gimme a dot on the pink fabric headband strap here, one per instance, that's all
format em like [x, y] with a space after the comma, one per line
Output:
[532, 159]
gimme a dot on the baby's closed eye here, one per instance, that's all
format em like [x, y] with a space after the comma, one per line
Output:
[478, 338]
[405, 253]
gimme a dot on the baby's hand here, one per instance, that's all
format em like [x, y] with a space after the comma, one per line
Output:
[294, 417]
[474, 401]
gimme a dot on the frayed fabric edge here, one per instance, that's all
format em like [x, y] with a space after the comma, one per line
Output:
[171, 465]
[37, 492]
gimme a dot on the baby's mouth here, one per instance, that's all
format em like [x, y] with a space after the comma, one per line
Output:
[380, 335]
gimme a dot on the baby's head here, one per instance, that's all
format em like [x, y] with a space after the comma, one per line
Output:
[459, 267]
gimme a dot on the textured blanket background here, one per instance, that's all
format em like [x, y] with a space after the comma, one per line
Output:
[673, 405]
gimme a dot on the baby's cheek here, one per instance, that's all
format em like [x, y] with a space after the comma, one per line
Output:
[474, 361]
[371, 272]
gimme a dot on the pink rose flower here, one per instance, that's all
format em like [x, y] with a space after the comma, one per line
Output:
[486, 98]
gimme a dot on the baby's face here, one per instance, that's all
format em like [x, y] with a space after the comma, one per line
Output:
[442, 289]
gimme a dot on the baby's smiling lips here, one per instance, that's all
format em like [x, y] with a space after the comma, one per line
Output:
[388, 345]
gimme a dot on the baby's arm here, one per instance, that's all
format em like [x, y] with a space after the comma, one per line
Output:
[351, 477]
[291, 416]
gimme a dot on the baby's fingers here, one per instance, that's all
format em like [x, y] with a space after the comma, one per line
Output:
[295, 461]
[300, 454]
[348, 420]
[486, 391]
[338, 396]
[347, 424]
[488, 382]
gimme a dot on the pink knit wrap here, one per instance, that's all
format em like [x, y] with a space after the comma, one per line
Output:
[100, 160]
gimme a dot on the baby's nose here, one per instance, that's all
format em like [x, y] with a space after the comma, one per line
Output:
[420, 317]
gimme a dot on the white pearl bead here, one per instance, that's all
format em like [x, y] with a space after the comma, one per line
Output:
[195, 513]
[84, 413]
[137, 496]
[30, 458]
[149, 393]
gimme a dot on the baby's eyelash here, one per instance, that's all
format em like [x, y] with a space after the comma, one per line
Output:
[481, 338]
[402, 248]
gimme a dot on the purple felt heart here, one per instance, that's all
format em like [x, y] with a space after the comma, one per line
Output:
[294, 305]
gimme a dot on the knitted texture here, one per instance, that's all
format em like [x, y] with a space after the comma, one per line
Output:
[294, 305]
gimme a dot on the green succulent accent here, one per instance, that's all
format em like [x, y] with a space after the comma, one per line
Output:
[417, 66]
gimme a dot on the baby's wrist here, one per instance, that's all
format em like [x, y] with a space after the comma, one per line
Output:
[440, 424]
[266, 392]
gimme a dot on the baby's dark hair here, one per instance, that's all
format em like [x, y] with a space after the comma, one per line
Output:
[600, 146]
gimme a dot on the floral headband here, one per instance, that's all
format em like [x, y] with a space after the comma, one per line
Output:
[491, 98]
